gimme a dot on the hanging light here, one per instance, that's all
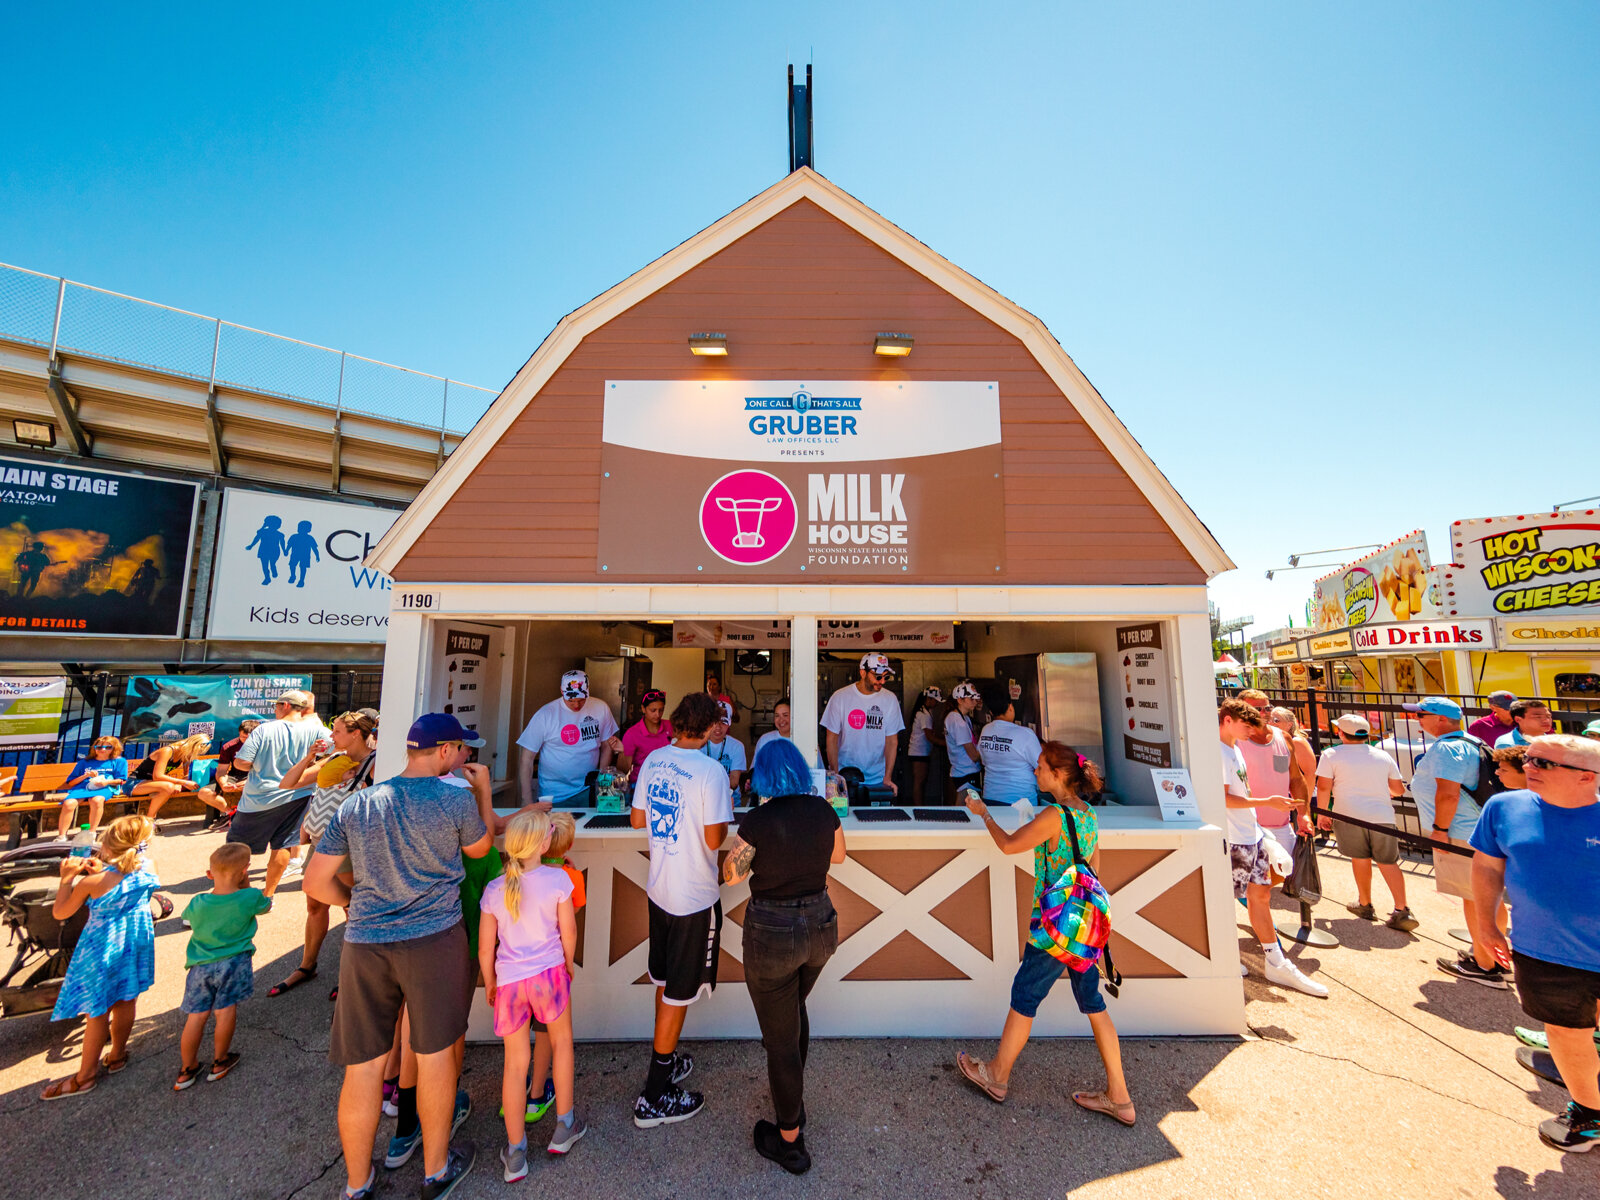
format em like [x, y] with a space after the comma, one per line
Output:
[892, 345]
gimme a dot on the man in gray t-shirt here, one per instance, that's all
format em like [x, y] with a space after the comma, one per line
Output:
[268, 820]
[402, 841]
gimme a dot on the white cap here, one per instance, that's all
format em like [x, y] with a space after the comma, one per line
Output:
[575, 686]
[1354, 724]
[965, 691]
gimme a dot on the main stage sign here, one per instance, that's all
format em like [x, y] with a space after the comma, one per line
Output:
[835, 479]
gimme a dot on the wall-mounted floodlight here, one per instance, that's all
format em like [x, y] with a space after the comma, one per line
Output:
[892, 345]
[709, 345]
[34, 433]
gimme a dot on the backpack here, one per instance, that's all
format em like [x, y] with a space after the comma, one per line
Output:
[1072, 923]
[1489, 782]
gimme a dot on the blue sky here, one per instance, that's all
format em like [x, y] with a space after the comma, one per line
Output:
[1336, 266]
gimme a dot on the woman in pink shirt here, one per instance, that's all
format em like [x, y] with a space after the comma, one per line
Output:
[645, 736]
[1266, 754]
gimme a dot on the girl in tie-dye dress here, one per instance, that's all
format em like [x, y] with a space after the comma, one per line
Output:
[115, 958]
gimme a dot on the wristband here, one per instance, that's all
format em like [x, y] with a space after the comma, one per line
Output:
[1441, 829]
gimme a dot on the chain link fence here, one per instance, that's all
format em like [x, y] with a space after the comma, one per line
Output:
[45, 310]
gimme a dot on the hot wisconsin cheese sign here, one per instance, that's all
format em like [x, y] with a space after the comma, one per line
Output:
[1546, 564]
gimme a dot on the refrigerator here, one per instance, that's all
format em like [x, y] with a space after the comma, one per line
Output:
[621, 680]
[1058, 697]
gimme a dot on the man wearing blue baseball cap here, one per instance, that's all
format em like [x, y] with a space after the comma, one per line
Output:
[1446, 784]
[405, 944]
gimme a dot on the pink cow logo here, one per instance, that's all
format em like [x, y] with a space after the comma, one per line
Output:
[570, 735]
[858, 719]
[748, 517]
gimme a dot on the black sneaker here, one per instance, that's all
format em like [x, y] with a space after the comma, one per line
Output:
[674, 1105]
[682, 1067]
[791, 1156]
[456, 1167]
[1468, 968]
[1570, 1131]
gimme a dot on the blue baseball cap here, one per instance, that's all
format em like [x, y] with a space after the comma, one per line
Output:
[1436, 705]
[434, 729]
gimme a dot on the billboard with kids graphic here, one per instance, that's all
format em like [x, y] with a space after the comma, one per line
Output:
[293, 570]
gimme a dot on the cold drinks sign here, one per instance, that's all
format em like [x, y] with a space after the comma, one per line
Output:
[808, 478]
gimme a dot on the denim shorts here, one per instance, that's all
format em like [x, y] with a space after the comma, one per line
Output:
[1038, 974]
[220, 984]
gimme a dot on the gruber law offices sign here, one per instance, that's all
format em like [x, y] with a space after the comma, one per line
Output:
[834, 479]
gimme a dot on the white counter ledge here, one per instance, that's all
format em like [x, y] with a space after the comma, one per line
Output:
[932, 919]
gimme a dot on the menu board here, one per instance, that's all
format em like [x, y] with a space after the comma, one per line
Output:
[1146, 695]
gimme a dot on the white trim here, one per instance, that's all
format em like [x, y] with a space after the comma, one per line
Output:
[804, 184]
[505, 601]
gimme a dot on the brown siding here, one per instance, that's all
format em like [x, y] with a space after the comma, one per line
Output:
[800, 297]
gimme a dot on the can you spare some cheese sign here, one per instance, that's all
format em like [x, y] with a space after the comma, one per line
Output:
[809, 479]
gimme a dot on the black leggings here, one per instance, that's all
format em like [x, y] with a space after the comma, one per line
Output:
[786, 945]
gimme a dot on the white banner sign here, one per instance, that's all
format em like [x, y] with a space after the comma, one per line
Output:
[30, 712]
[831, 635]
[291, 570]
[785, 420]
[1542, 565]
[1423, 637]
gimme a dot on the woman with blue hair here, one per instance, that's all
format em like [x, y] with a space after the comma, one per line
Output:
[784, 847]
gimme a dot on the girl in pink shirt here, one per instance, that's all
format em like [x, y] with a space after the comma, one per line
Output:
[527, 937]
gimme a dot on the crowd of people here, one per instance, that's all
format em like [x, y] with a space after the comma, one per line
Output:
[433, 908]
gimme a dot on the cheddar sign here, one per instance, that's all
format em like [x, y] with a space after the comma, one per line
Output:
[1549, 635]
[1413, 637]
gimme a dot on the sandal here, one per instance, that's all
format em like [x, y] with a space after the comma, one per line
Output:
[977, 1074]
[1101, 1103]
[186, 1077]
[113, 1065]
[222, 1066]
[62, 1088]
[305, 975]
[333, 996]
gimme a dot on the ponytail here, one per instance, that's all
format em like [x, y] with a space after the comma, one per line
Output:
[1083, 777]
[527, 836]
[125, 842]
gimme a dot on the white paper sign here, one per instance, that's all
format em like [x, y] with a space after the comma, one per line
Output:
[1175, 794]
[291, 570]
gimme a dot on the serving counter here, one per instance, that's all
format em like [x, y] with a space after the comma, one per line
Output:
[932, 920]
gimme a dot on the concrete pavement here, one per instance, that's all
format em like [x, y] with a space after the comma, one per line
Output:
[1402, 1083]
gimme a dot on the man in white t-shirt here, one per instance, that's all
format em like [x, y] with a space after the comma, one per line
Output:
[567, 738]
[1363, 782]
[1252, 878]
[1010, 752]
[863, 723]
[682, 798]
[727, 752]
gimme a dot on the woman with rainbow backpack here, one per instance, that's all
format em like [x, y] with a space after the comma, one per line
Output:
[1067, 931]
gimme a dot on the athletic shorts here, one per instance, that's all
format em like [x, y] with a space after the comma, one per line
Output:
[271, 828]
[1038, 974]
[542, 998]
[1250, 865]
[219, 984]
[1356, 841]
[431, 976]
[1555, 993]
[1452, 873]
[684, 952]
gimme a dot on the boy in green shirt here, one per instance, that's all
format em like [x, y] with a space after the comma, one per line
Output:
[221, 944]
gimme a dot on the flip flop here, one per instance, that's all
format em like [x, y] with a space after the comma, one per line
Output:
[306, 974]
[977, 1074]
[1101, 1103]
[60, 1089]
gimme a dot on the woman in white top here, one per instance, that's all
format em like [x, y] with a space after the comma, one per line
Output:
[1010, 752]
[959, 741]
[925, 735]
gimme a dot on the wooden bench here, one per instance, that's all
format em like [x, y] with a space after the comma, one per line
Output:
[41, 790]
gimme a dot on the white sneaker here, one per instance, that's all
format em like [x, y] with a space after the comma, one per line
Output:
[1288, 975]
[1244, 971]
[295, 867]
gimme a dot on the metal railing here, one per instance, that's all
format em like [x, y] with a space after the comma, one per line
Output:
[96, 700]
[77, 318]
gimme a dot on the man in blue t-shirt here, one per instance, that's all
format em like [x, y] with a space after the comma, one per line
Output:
[401, 844]
[1442, 784]
[1541, 847]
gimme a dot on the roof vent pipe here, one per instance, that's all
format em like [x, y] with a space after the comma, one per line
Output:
[800, 145]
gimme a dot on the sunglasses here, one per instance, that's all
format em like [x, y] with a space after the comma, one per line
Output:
[1534, 762]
